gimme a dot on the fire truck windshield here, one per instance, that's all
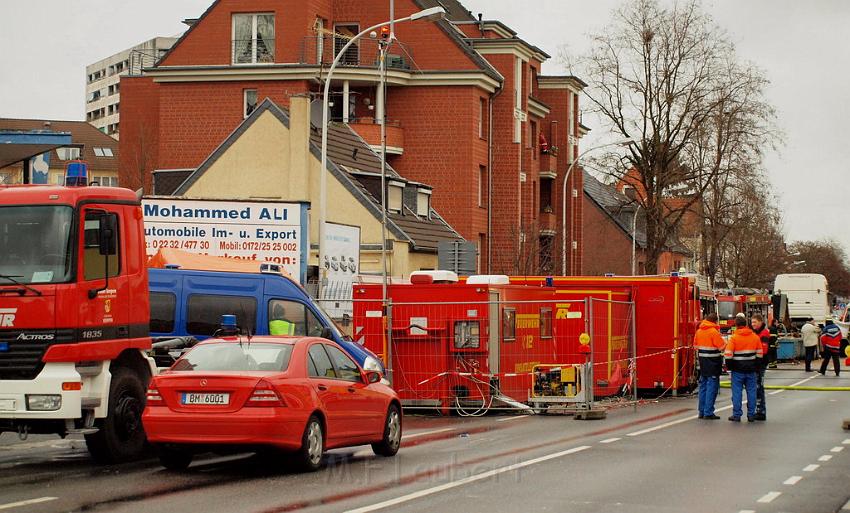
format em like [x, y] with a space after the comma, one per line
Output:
[726, 309]
[35, 244]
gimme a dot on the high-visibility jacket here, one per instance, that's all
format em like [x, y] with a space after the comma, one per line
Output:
[744, 351]
[280, 327]
[831, 338]
[709, 345]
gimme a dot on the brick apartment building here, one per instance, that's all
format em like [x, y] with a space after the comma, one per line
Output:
[468, 111]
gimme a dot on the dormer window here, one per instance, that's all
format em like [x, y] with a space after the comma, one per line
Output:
[423, 203]
[253, 38]
[395, 192]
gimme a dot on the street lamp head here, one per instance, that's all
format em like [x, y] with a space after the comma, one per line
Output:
[627, 142]
[430, 14]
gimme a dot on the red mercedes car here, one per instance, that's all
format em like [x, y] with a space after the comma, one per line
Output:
[300, 395]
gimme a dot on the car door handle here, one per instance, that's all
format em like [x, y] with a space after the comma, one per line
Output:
[352, 389]
[322, 388]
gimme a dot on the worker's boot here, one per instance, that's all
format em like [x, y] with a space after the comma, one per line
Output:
[760, 416]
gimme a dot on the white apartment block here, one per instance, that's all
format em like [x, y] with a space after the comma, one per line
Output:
[103, 78]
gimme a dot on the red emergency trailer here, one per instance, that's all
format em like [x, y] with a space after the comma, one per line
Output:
[667, 313]
[484, 338]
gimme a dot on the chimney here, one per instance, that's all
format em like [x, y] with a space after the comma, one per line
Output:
[299, 147]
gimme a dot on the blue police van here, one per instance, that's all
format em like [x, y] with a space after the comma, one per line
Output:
[187, 305]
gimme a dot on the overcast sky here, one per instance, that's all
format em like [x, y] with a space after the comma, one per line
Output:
[801, 44]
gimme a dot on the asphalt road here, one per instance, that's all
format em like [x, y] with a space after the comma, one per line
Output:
[657, 459]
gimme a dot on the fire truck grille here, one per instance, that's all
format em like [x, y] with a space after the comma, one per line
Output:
[21, 351]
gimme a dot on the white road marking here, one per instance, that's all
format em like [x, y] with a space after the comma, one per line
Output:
[27, 502]
[791, 481]
[811, 468]
[837, 448]
[825, 457]
[846, 441]
[846, 506]
[471, 479]
[426, 433]
[747, 511]
[610, 440]
[662, 426]
[506, 419]
[769, 497]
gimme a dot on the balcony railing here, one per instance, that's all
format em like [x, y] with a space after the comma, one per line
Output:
[253, 51]
[320, 50]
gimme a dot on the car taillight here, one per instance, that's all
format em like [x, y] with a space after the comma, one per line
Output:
[153, 398]
[264, 395]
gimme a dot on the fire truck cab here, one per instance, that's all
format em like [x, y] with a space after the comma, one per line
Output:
[74, 315]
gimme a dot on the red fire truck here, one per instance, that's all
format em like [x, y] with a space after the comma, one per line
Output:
[489, 335]
[74, 315]
[747, 302]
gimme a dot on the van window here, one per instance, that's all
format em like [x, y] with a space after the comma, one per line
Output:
[204, 313]
[163, 305]
[305, 323]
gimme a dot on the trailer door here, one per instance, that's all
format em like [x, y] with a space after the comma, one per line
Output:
[495, 316]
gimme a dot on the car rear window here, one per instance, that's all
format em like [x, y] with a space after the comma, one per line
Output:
[236, 357]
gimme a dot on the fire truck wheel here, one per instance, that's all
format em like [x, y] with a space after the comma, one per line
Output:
[120, 436]
[391, 441]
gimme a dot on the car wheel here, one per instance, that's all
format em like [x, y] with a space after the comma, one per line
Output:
[309, 456]
[391, 441]
[174, 458]
[120, 436]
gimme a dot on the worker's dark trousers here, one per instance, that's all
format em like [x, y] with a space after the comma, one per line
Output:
[761, 404]
[827, 355]
[810, 356]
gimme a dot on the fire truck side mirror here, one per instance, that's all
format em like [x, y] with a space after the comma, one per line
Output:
[107, 228]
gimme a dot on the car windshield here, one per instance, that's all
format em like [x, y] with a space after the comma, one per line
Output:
[35, 244]
[229, 356]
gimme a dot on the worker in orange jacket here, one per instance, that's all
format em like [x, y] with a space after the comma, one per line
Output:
[709, 345]
[744, 354]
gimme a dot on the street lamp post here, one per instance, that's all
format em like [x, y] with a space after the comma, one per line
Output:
[430, 14]
[624, 142]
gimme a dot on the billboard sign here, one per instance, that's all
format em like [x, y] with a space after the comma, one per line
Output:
[251, 230]
[341, 266]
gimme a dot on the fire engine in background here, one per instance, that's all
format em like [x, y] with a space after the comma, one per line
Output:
[74, 314]
[511, 336]
[745, 301]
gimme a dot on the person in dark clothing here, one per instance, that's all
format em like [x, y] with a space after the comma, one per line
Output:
[831, 340]
[758, 327]
[772, 347]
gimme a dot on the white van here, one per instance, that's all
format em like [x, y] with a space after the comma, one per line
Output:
[807, 296]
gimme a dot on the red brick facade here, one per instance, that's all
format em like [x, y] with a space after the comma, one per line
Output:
[438, 110]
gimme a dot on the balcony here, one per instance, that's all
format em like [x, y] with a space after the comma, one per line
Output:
[320, 51]
[548, 223]
[370, 131]
[549, 165]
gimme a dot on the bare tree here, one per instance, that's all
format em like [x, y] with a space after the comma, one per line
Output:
[825, 257]
[670, 80]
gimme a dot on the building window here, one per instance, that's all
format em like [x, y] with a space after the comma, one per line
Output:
[517, 100]
[394, 194]
[482, 108]
[103, 152]
[249, 102]
[253, 38]
[343, 33]
[68, 153]
[482, 185]
[533, 142]
[105, 181]
[423, 203]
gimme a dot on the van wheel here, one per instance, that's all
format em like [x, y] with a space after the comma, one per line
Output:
[309, 456]
[120, 436]
[391, 441]
[174, 458]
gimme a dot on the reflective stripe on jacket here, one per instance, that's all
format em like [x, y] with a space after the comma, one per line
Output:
[744, 351]
[831, 337]
[709, 345]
